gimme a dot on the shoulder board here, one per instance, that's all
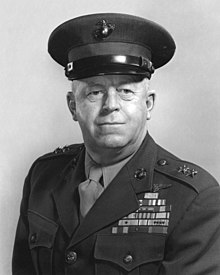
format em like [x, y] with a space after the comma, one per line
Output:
[183, 171]
[72, 150]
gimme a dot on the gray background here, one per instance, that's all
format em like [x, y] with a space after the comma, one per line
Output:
[34, 118]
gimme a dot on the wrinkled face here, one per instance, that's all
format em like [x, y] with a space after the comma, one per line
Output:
[112, 110]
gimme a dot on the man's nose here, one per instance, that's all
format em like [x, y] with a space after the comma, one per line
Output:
[111, 100]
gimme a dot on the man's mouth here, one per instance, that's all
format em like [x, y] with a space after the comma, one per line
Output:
[111, 123]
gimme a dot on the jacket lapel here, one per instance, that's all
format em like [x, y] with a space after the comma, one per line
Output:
[66, 194]
[144, 160]
[120, 197]
[110, 206]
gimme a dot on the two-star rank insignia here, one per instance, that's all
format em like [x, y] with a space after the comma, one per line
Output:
[187, 171]
[152, 216]
[61, 150]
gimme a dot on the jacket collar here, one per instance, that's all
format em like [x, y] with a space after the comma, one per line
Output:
[143, 162]
[66, 193]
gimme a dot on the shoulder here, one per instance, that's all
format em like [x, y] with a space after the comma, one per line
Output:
[184, 172]
[59, 158]
[62, 152]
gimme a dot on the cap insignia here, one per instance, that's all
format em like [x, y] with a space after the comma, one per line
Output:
[187, 171]
[104, 29]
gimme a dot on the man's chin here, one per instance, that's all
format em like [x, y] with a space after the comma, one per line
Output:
[111, 142]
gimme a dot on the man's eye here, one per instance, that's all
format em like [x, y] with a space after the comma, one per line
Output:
[95, 92]
[126, 94]
[125, 91]
[95, 95]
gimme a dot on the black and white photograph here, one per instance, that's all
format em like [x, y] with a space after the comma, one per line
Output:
[110, 137]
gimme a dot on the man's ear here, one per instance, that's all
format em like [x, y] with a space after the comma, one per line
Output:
[71, 104]
[150, 103]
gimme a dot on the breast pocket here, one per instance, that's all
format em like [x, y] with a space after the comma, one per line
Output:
[42, 233]
[132, 254]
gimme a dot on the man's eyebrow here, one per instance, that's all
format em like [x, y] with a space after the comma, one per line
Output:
[92, 83]
[127, 83]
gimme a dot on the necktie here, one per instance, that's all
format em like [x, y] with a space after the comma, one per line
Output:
[90, 190]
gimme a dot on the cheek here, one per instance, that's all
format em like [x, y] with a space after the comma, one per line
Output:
[81, 109]
[86, 114]
[137, 112]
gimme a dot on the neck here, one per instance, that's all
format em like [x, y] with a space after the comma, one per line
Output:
[109, 156]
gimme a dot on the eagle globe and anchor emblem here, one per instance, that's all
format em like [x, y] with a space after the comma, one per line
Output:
[104, 29]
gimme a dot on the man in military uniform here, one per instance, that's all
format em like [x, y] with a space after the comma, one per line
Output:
[119, 203]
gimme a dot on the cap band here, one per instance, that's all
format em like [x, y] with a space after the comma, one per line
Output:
[138, 65]
[108, 48]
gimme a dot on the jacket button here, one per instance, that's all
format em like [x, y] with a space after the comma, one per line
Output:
[71, 257]
[162, 162]
[33, 238]
[128, 259]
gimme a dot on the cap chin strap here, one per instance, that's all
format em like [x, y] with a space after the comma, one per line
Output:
[102, 64]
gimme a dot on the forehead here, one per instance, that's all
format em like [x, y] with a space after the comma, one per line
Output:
[114, 80]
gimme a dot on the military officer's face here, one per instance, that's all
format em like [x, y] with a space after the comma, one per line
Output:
[112, 110]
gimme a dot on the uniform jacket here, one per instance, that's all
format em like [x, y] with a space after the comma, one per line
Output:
[160, 215]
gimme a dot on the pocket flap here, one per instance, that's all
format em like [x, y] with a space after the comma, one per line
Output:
[130, 251]
[42, 230]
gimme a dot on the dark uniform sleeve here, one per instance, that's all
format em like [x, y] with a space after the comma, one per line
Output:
[21, 261]
[193, 247]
